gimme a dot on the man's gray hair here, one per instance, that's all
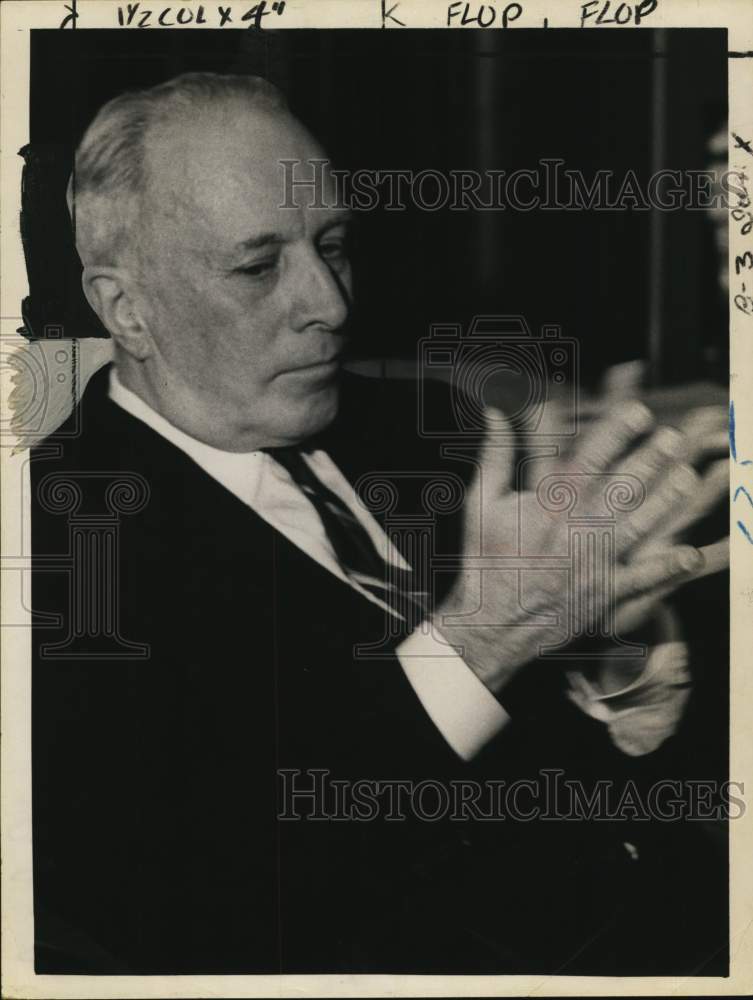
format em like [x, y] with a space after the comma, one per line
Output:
[110, 175]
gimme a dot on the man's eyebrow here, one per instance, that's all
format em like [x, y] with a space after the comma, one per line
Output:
[272, 238]
[262, 240]
[338, 218]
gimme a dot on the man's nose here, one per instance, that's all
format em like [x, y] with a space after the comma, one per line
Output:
[321, 295]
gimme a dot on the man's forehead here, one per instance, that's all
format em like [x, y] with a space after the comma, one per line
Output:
[224, 168]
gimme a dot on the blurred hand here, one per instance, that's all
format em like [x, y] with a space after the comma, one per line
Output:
[501, 620]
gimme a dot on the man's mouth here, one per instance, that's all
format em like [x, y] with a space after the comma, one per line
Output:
[324, 366]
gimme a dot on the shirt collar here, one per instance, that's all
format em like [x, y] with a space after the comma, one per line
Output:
[239, 472]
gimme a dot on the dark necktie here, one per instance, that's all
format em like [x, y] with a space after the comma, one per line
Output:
[352, 545]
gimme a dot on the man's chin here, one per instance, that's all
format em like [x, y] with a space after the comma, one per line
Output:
[309, 413]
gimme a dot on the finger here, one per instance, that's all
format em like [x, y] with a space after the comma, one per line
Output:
[716, 558]
[662, 570]
[602, 443]
[667, 569]
[537, 467]
[676, 496]
[492, 478]
[637, 611]
[497, 455]
[709, 444]
[665, 448]
[702, 419]
[705, 429]
[622, 381]
[605, 440]
[712, 488]
[632, 612]
[668, 496]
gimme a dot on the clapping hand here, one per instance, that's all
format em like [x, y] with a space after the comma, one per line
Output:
[503, 618]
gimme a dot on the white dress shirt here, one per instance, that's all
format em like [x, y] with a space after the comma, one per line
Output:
[466, 713]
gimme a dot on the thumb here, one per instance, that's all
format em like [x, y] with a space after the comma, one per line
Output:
[497, 454]
[492, 477]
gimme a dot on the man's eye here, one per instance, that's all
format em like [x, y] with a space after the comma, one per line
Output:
[334, 250]
[259, 269]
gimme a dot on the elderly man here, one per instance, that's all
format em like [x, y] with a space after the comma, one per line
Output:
[252, 586]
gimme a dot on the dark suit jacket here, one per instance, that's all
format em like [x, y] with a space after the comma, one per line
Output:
[156, 779]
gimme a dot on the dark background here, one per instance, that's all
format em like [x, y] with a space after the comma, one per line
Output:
[445, 100]
[625, 284]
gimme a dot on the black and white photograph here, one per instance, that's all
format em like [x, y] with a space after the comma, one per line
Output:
[377, 444]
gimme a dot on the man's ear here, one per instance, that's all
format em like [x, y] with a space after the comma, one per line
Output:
[107, 290]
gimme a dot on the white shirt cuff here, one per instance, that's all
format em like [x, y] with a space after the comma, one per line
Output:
[461, 707]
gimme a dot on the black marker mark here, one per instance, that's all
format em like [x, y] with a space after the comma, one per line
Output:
[132, 9]
[71, 17]
[744, 303]
[259, 10]
[624, 13]
[388, 14]
[483, 15]
[744, 260]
